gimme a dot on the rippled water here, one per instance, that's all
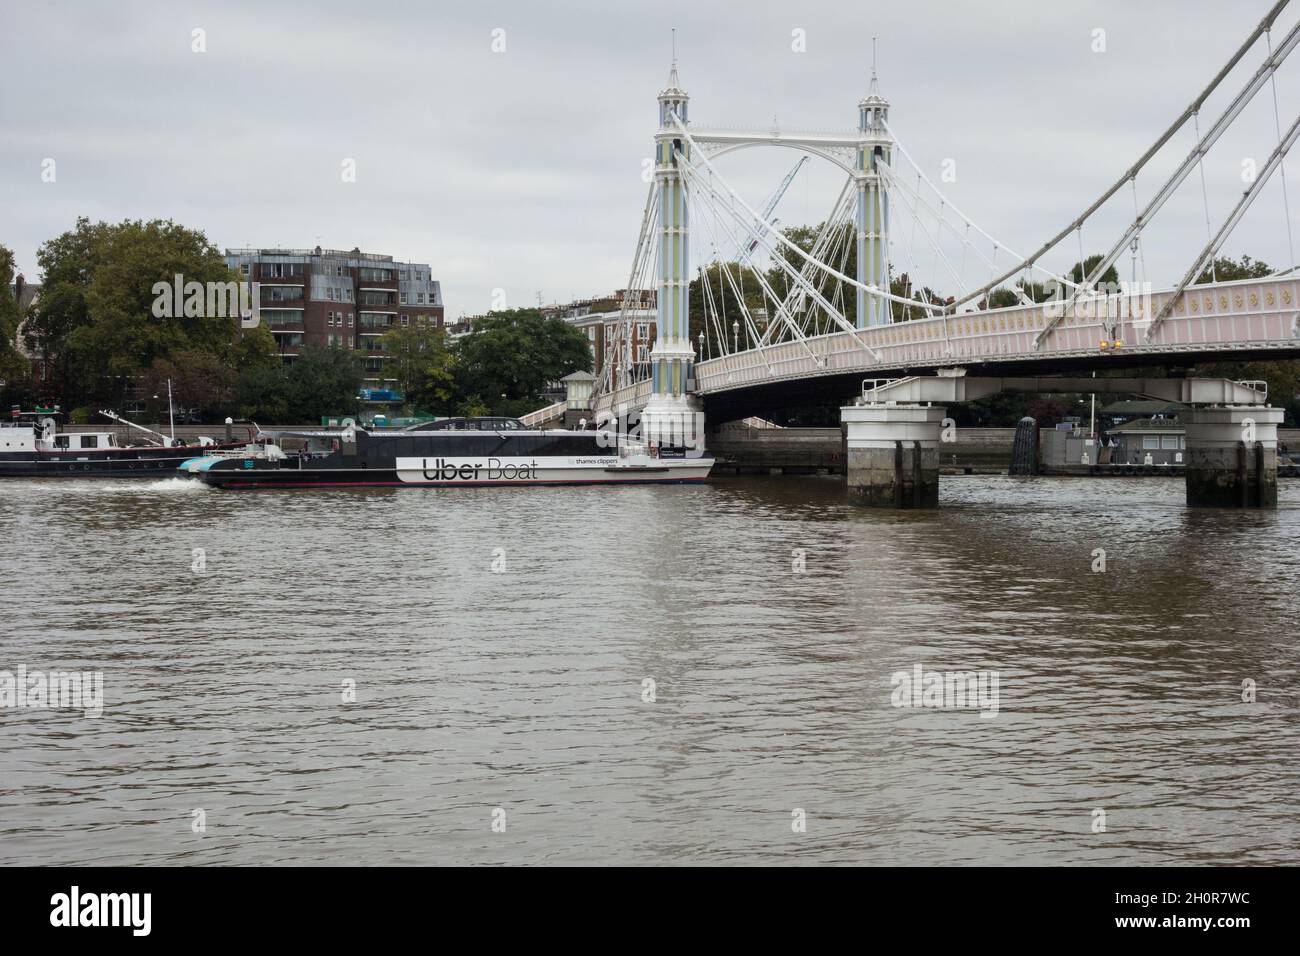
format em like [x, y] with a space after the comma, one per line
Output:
[523, 690]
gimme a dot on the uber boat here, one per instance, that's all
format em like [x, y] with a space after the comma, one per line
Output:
[31, 446]
[453, 452]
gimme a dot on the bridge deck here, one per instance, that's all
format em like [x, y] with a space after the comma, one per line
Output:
[1255, 316]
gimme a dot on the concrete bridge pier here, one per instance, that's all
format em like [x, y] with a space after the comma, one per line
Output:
[1232, 456]
[892, 454]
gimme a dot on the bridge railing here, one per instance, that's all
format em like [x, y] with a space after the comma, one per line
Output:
[1256, 314]
[543, 415]
[1248, 315]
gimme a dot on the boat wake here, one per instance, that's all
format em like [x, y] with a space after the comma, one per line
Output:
[169, 486]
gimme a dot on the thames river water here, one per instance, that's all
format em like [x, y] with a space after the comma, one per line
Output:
[650, 675]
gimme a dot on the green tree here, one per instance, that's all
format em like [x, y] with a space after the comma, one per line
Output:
[263, 393]
[323, 382]
[94, 320]
[200, 379]
[1002, 298]
[725, 295]
[424, 366]
[841, 254]
[1226, 269]
[509, 357]
[13, 365]
[1079, 272]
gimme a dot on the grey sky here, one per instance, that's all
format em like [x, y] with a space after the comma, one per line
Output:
[522, 170]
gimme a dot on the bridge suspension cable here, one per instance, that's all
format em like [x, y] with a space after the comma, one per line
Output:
[725, 202]
[1194, 107]
[970, 223]
[1216, 241]
[1192, 161]
[770, 229]
[616, 354]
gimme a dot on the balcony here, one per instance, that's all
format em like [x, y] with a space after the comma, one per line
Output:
[280, 296]
[286, 274]
[377, 280]
[374, 323]
[282, 320]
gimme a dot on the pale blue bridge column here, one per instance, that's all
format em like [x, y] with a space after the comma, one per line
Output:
[670, 414]
[871, 228]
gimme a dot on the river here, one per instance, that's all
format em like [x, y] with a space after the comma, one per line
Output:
[650, 675]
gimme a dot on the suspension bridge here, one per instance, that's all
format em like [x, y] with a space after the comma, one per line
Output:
[844, 317]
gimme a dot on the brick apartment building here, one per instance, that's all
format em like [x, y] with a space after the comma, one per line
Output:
[344, 299]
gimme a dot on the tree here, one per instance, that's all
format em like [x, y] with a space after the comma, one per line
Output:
[200, 380]
[13, 365]
[509, 357]
[902, 287]
[323, 382]
[722, 292]
[423, 364]
[1078, 273]
[263, 392]
[94, 321]
[1230, 270]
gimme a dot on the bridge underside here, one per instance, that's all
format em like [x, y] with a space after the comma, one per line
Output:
[766, 400]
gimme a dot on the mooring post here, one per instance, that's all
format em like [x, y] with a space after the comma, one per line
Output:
[918, 490]
[1243, 488]
[898, 474]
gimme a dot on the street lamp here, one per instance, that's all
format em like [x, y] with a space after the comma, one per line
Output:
[701, 352]
[735, 336]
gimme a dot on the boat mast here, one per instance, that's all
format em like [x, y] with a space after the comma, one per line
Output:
[171, 416]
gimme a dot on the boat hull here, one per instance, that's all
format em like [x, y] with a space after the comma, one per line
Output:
[251, 474]
[104, 463]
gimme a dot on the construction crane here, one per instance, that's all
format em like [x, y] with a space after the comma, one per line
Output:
[745, 248]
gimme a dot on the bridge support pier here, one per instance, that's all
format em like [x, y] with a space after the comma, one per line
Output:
[1232, 456]
[892, 458]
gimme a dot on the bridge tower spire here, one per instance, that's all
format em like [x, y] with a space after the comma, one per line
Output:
[669, 409]
[875, 149]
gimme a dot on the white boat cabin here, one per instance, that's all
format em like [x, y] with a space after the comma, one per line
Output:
[20, 436]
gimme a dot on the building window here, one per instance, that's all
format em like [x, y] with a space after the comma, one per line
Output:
[352, 341]
[349, 319]
[406, 320]
[245, 268]
[1150, 441]
[402, 298]
[1169, 441]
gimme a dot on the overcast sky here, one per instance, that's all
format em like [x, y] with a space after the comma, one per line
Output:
[521, 169]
